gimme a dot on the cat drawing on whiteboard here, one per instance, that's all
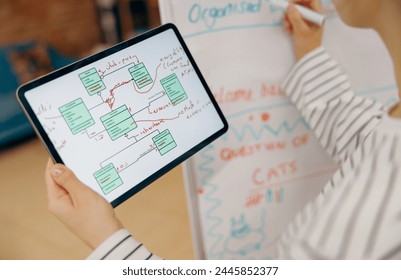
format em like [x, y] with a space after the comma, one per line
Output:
[243, 239]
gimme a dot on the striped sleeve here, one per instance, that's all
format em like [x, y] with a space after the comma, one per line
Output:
[321, 91]
[358, 219]
[121, 246]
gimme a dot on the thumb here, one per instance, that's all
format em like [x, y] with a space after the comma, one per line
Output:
[296, 20]
[65, 178]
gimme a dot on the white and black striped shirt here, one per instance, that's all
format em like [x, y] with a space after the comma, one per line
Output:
[121, 246]
[358, 213]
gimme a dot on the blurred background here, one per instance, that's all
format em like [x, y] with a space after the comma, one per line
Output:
[37, 37]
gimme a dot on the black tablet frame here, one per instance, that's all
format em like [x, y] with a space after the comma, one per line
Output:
[93, 58]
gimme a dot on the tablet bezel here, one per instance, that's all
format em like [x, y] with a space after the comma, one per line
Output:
[93, 58]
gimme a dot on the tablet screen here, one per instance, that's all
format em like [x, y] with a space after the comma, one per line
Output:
[122, 118]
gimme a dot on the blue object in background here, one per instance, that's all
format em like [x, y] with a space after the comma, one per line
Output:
[14, 126]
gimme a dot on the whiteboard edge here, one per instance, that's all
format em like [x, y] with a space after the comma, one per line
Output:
[165, 11]
[193, 209]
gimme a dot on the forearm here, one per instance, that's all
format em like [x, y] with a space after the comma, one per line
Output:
[121, 246]
[321, 91]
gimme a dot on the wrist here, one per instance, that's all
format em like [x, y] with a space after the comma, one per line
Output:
[103, 234]
[110, 243]
[301, 53]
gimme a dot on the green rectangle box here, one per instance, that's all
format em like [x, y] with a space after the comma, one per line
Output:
[174, 89]
[140, 75]
[118, 122]
[76, 116]
[164, 142]
[108, 178]
[92, 81]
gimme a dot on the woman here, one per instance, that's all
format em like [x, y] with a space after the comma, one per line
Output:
[358, 214]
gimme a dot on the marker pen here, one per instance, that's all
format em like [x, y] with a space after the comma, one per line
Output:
[306, 13]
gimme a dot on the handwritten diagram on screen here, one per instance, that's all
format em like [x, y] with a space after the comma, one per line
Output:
[248, 185]
[118, 120]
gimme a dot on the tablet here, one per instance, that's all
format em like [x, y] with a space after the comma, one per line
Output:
[123, 117]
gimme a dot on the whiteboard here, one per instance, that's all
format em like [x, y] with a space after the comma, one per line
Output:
[245, 188]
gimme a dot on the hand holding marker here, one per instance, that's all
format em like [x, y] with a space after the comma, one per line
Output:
[306, 13]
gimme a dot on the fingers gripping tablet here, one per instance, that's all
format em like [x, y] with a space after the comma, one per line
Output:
[122, 118]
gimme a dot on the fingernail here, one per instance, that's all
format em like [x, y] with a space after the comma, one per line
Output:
[56, 171]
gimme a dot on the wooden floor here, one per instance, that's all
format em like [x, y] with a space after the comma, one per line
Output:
[157, 216]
